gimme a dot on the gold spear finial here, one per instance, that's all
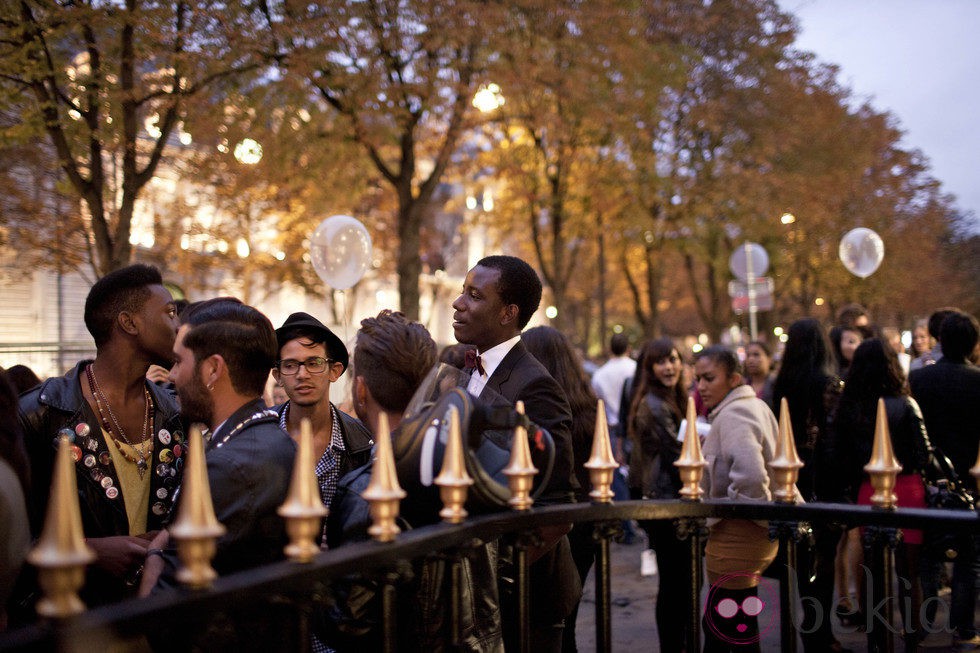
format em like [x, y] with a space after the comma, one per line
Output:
[196, 528]
[691, 463]
[453, 480]
[61, 553]
[601, 463]
[786, 464]
[383, 492]
[303, 509]
[883, 466]
[520, 470]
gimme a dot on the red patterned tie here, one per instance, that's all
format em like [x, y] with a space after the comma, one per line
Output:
[472, 361]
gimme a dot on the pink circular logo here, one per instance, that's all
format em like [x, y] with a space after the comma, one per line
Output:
[729, 619]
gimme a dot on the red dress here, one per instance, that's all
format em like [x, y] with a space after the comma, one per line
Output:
[911, 493]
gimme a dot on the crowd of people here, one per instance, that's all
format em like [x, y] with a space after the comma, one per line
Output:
[161, 366]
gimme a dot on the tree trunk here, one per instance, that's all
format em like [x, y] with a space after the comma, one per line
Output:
[409, 259]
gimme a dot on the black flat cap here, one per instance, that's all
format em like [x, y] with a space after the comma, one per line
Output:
[304, 323]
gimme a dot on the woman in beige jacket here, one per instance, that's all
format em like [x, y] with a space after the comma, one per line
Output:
[738, 449]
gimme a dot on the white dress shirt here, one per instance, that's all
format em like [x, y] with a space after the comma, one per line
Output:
[490, 359]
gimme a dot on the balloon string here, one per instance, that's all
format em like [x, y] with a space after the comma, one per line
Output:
[344, 311]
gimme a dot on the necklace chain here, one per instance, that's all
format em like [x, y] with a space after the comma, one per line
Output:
[100, 399]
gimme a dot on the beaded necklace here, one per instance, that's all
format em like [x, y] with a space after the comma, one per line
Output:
[266, 415]
[103, 407]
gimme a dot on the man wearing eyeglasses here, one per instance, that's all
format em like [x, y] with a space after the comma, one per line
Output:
[311, 357]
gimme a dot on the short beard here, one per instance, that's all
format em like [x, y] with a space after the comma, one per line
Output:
[196, 403]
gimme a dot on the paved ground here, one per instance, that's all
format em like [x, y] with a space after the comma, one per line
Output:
[634, 625]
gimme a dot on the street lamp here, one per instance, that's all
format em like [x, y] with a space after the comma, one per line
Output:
[248, 151]
[488, 98]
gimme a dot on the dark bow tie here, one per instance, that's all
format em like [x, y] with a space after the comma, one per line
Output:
[471, 361]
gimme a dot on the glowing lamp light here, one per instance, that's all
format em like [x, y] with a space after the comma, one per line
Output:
[488, 98]
[248, 152]
[787, 218]
[242, 248]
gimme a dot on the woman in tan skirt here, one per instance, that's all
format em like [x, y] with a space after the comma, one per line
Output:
[738, 449]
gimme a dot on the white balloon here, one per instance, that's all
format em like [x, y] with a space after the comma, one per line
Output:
[861, 251]
[340, 249]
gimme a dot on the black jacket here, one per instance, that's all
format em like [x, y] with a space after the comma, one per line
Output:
[655, 448]
[852, 440]
[554, 580]
[949, 394]
[353, 619]
[58, 406]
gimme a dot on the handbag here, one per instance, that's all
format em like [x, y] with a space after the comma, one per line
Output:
[943, 490]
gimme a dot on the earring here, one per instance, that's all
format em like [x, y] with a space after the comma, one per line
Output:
[210, 387]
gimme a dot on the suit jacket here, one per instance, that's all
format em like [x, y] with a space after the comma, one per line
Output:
[554, 581]
[949, 395]
[521, 377]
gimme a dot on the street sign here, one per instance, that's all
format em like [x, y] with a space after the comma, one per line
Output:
[762, 285]
[749, 260]
[763, 302]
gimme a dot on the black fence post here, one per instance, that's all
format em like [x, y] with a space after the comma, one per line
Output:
[879, 551]
[604, 531]
[694, 530]
[789, 534]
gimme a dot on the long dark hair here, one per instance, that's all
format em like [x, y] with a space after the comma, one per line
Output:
[646, 381]
[875, 372]
[806, 363]
[804, 374]
[552, 349]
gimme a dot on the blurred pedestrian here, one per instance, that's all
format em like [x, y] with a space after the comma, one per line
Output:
[15, 532]
[653, 421]
[949, 394]
[22, 378]
[758, 371]
[738, 450]
[811, 389]
[553, 350]
[609, 382]
[876, 374]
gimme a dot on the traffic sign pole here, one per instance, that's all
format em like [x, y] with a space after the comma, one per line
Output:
[750, 274]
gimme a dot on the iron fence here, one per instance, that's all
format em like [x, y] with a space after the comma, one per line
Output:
[288, 592]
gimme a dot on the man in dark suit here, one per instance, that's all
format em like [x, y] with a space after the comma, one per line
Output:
[949, 394]
[500, 294]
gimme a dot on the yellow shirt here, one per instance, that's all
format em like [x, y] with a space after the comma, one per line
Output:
[135, 490]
